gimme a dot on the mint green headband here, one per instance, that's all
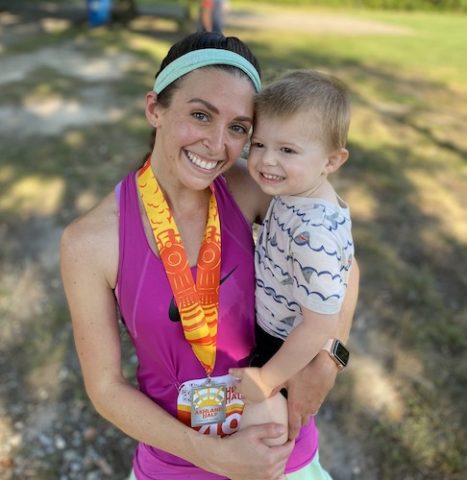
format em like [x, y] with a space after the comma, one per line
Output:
[201, 58]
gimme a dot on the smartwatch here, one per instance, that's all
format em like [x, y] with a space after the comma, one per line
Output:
[337, 352]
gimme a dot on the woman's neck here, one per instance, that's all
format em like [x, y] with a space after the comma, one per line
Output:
[180, 198]
[188, 207]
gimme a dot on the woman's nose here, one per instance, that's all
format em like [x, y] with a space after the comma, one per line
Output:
[214, 140]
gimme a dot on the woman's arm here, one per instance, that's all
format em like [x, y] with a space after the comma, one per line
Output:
[89, 258]
[308, 389]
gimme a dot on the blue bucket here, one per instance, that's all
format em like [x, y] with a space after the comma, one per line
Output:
[99, 12]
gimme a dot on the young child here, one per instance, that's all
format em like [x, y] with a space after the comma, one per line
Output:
[304, 251]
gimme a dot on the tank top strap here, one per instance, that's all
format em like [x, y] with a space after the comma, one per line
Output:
[131, 234]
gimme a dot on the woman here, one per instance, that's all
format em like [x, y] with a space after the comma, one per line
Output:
[176, 219]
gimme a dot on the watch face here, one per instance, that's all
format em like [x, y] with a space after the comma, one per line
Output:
[341, 353]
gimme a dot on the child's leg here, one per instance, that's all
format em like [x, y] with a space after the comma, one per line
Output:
[273, 409]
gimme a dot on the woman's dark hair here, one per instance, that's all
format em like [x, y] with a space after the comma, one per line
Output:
[198, 41]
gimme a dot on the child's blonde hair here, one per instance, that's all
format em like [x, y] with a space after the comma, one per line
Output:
[324, 96]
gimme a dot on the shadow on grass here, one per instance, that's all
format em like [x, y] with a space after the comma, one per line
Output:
[413, 290]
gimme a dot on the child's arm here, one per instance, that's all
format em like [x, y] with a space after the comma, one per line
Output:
[300, 347]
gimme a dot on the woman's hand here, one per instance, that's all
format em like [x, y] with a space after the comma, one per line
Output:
[245, 456]
[250, 384]
[308, 389]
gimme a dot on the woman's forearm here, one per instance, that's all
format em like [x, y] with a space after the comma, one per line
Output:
[350, 303]
[139, 417]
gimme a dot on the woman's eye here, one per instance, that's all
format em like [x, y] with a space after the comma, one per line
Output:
[200, 116]
[240, 129]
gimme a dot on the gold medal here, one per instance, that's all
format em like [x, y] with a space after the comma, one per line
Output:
[208, 404]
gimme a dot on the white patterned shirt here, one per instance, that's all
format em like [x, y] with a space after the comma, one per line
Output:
[303, 257]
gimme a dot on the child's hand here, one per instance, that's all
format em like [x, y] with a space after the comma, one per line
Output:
[250, 385]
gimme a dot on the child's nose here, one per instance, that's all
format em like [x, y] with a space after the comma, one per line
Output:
[269, 158]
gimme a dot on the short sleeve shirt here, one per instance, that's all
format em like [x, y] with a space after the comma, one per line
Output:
[303, 256]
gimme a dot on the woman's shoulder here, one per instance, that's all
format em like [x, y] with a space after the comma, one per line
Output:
[253, 202]
[92, 239]
[98, 221]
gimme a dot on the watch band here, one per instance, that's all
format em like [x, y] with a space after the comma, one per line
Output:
[338, 352]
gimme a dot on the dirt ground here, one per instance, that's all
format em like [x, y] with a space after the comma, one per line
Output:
[47, 428]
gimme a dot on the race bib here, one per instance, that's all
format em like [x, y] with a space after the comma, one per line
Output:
[210, 406]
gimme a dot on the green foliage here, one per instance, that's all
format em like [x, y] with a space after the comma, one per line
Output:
[443, 5]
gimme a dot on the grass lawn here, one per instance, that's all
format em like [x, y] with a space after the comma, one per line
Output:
[399, 410]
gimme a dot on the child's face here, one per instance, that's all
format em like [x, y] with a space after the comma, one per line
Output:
[287, 156]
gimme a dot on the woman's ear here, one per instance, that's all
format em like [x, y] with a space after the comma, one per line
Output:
[152, 109]
[336, 159]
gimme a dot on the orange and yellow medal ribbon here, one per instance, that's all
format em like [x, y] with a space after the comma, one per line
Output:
[197, 304]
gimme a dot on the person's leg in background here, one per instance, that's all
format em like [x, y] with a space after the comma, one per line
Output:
[218, 16]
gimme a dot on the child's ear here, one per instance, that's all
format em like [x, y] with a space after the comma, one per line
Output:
[336, 159]
[152, 109]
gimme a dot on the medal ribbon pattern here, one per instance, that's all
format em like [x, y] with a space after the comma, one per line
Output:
[197, 304]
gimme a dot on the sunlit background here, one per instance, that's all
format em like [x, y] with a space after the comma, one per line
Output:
[72, 124]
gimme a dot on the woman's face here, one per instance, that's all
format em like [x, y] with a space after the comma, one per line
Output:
[203, 131]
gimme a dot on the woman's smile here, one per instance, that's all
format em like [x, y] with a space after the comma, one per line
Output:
[197, 161]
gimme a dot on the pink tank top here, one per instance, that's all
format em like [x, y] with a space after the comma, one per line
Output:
[165, 359]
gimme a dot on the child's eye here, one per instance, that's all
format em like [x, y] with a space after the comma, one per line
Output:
[288, 150]
[200, 116]
[256, 145]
